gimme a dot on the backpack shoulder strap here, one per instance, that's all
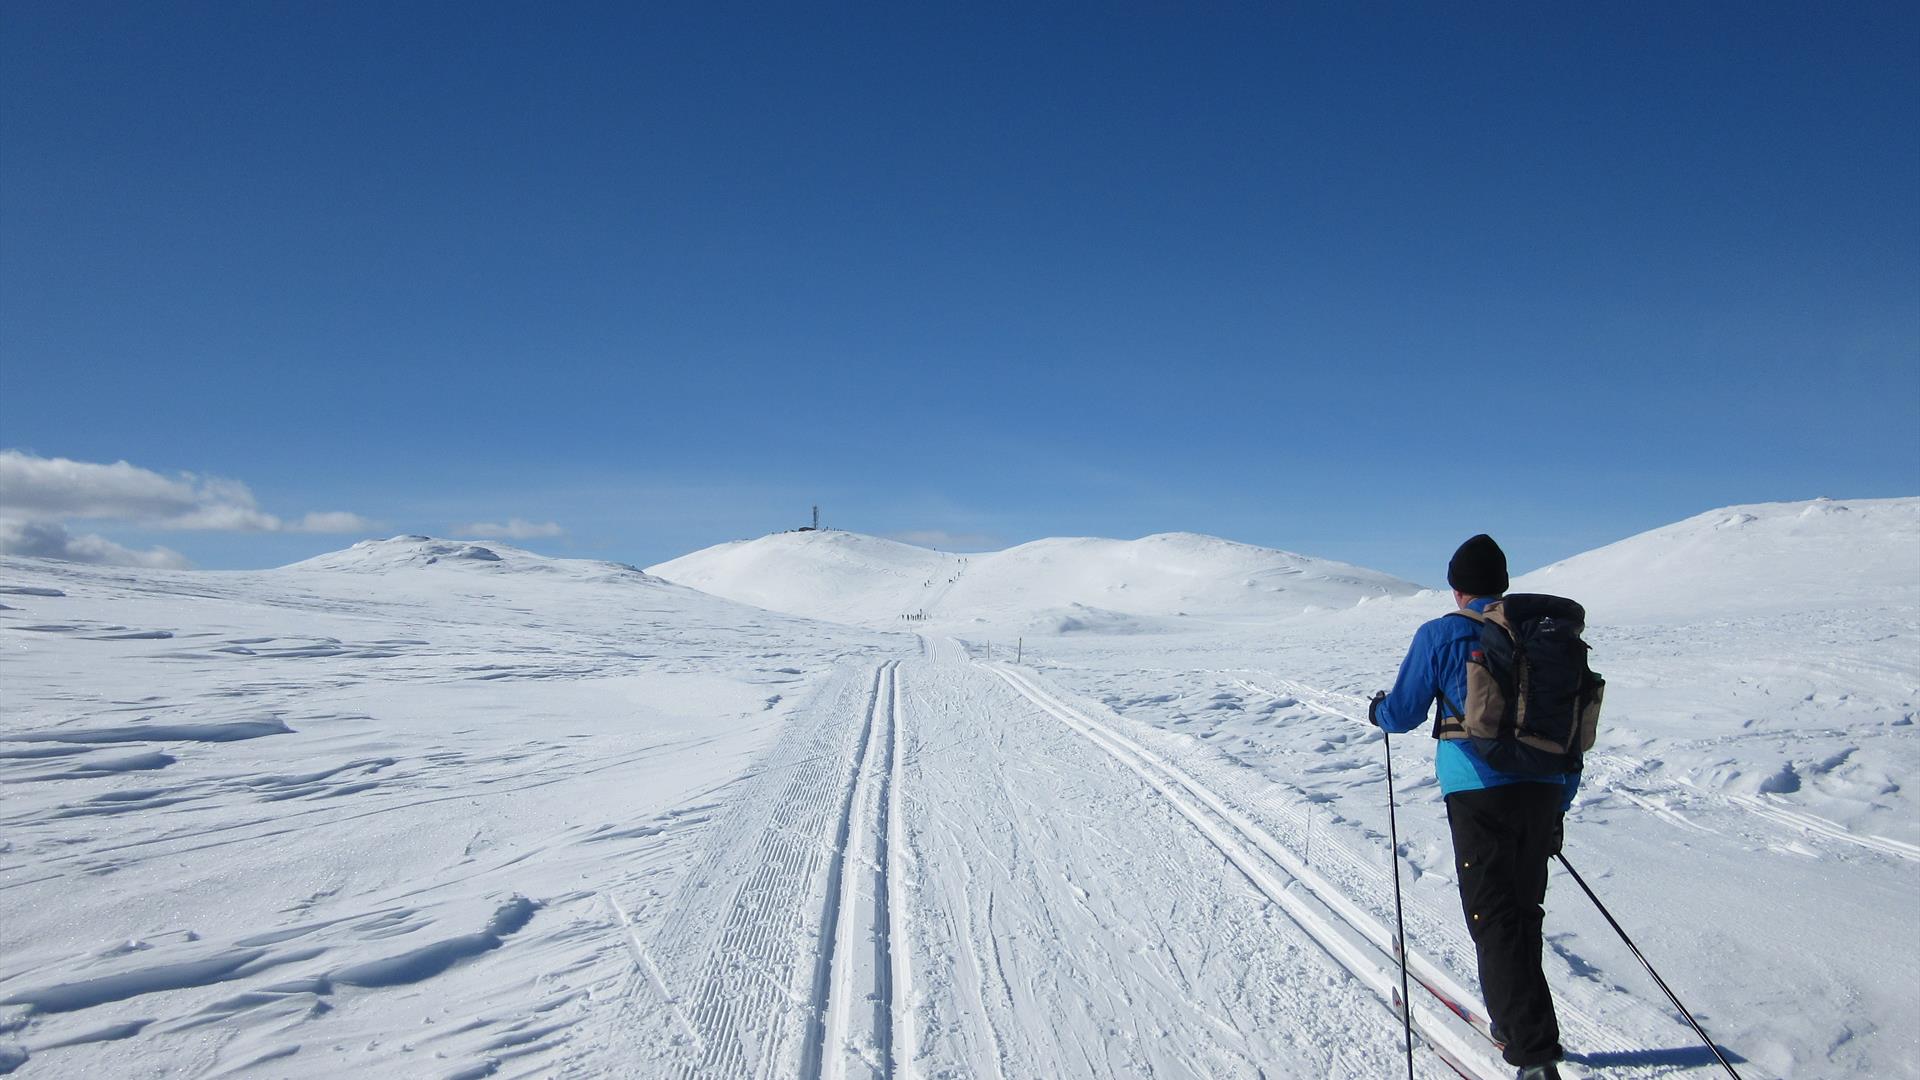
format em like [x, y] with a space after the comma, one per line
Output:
[1448, 717]
[1451, 717]
[1496, 614]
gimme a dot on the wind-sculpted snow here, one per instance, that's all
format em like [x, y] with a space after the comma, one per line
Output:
[417, 965]
[151, 979]
[232, 731]
[91, 767]
[325, 822]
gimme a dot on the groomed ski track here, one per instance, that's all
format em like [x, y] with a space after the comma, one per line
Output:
[863, 977]
[946, 868]
[1328, 917]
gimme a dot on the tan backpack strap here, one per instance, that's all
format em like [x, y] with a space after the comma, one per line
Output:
[1450, 721]
[1449, 718]
[1496, 614]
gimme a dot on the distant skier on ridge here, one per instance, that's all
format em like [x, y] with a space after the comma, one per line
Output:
[1508, 759]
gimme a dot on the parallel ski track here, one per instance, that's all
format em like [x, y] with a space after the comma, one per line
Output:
[1325, 909]
[868, 857]
[1454, 1026]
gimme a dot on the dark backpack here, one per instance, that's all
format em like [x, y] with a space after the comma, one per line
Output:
[1533, 704]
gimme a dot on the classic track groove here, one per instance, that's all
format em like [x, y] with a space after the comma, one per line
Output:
[1452, 1027]
[857, 924]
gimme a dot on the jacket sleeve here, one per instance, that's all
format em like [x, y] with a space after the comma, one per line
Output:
[1413, 691]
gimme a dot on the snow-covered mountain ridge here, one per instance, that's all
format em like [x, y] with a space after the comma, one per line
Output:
[1056, 584]
[1740, 559]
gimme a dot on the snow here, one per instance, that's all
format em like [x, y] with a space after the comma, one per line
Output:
[1767, 557]
[445, 808]
[1049, 586]
[419, 552]
[359, 819]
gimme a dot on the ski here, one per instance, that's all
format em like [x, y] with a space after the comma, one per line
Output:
[1480, 1024]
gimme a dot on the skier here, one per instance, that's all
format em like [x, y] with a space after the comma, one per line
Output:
[1505, 826]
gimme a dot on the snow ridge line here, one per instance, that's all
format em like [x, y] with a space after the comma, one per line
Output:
[1448, 1027]
[864, 819]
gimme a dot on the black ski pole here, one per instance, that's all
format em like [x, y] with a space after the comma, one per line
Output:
[1399, 923]
[1643, 962]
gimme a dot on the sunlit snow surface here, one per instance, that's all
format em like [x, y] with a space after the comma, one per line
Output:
[432, 808]
[1048, 586]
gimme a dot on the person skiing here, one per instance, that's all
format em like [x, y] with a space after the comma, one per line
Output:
[1505, 826]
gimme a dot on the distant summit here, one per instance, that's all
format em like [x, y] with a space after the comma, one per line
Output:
[414, 552]
[1048, 586]
[1821, 554]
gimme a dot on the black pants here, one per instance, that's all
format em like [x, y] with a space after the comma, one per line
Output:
[1502, 839]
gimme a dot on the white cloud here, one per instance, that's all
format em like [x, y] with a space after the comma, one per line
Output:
[942, 540]
[47, 540]
[57, 487]
[514, 529]
[37, 489]
[221, 517]
[332, 521]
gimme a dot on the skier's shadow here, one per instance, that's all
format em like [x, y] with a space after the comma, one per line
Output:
[1679, 1056]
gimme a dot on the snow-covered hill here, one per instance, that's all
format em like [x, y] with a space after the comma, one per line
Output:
[1763, 557]
[1054, 585]
[413, 552]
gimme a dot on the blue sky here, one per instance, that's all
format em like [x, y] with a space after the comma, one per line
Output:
[1348, 280]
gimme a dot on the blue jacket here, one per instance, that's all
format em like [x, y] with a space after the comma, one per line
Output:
[1438, 660]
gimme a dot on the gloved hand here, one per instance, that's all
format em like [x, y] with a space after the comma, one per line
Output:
[1373, 707]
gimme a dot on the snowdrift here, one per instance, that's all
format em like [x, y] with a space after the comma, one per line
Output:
[1054, 585]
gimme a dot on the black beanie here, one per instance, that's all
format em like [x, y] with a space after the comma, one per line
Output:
[1479, 568]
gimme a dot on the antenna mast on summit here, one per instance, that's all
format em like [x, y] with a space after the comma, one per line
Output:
[816, 519]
